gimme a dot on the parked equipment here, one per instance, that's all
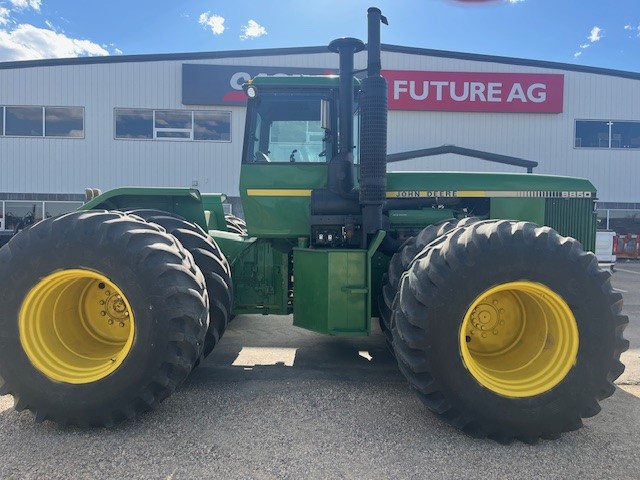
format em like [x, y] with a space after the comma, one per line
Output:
[499, 319]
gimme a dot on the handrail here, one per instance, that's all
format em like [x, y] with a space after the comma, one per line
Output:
[468, 152]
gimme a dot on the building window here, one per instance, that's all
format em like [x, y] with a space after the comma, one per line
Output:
[24, 121]
[19, 213]
[173, 124]
[607, 134]
[212, 125]
[55, 208]
[65, 122]
[142, 124]
[134, 124]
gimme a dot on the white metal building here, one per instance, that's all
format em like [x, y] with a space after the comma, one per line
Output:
[177, 120]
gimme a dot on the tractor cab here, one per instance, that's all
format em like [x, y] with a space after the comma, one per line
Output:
[291, 136]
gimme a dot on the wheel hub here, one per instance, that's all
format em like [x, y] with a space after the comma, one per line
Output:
[519, 339]
[76, 326]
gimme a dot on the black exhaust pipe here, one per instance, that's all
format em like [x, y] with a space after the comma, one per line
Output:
[373, 133]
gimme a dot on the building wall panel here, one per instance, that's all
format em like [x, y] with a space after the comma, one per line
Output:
[45, 165]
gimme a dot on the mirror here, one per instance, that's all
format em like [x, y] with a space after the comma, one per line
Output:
[325, 114]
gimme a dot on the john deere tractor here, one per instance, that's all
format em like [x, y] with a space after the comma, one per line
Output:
[484, 284]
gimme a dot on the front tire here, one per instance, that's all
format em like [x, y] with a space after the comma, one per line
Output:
[509, 330]
[102, 316]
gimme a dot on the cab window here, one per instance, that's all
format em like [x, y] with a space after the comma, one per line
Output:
[286, 129]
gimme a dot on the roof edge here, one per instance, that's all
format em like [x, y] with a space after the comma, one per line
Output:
[159, 57]
[479, 57]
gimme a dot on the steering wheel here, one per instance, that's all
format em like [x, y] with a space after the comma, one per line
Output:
[261, 157]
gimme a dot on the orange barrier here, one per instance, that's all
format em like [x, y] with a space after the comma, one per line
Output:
[626, 246]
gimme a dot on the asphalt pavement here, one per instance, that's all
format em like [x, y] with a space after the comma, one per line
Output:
[274, 401]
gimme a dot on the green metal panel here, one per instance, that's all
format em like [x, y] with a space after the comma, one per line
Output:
[573, 217]
[334, 288]
[425, 216]
[212, 203]
[231, 244]
[464, 181]
[276, 197]
[186, 202]
[331, 291]
[526, 209]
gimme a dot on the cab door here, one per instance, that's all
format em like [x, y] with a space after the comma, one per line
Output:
[285, 157]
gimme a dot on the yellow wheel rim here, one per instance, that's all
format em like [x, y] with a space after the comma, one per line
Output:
[76, 326]
[519, 339]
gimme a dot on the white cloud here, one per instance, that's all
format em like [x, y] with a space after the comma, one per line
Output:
[515, 1]
[27, 42]
[213, 21]
[595, 35]
[577, 54]
[631, 29]
[35, 4]
[117, 51]
[585, 45]
[252, 30]
[4, 15]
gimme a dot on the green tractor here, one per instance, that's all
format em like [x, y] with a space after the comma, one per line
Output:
[498, 316]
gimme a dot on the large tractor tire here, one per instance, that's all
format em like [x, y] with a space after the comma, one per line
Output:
[400, 263]
[211, 262]
[235, 224]
[102, 316]
[509, 330]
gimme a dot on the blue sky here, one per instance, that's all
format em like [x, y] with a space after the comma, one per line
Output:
[601, 33]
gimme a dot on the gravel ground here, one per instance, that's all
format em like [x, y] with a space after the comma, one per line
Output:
[341, 411]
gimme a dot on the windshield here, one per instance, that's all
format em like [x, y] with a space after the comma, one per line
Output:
[286, 128]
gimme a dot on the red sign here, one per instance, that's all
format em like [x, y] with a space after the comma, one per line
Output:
[475, 91]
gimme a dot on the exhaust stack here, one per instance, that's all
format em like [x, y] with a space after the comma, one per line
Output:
[373, 133]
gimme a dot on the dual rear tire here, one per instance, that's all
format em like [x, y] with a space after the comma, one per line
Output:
[211, 262]
[102, 316]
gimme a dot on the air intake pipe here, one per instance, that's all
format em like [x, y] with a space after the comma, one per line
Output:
[341, 166]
